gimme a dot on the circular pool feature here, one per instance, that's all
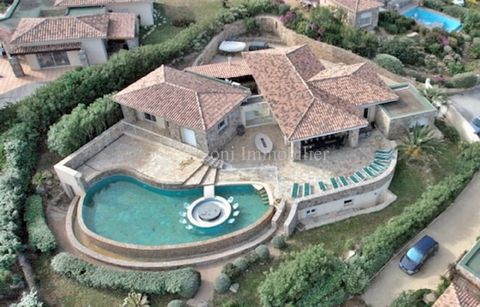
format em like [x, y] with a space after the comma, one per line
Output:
[208, 212]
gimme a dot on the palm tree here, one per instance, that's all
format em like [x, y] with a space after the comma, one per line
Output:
[420, 145]
[136, 300]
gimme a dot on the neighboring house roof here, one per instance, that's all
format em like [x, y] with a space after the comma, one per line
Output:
[19, 50]
[76, 3]
[184, 98]
[455, 296]
[51, 29]
[363, 5]
[223, 70]
[308, 100]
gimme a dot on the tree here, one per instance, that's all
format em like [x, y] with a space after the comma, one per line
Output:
[420, 145]
[136, 300]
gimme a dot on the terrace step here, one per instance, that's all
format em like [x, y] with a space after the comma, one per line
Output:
[210, 176]
[197, 176]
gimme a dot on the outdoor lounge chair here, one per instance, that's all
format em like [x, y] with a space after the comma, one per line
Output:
[380, 163]
[307, 189]
[383, 158]
[343, 180]
[334, 183]
[370, 172]
[385, 151]
[376, 168]
[322, 186]
[355, 179]
[360, 175]
[295, 190]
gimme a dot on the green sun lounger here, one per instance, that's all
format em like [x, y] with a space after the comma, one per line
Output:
[354, 179]
[369, 172]
[360, 175]
[307, 189]
[295, 190]
[334, 183]
[322, 186]
[383, 158]
[381, 163]
[385, 151]
[343, 180]
[376, 168]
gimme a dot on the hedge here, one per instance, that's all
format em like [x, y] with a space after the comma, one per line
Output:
[184, 282]
[39, 235]
[390, 63]
[315, 277]
[82, 125]
[463, 80]
[222, 283]
[29, 299]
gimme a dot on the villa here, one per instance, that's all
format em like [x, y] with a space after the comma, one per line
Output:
[141, 8]
[72, 40]
[360, 13]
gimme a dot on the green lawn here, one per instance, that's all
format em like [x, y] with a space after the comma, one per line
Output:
[170, 10]
[57, 290]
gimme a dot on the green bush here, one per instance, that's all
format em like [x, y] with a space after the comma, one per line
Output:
[184, 282]
[82, 125]
[231, 270]
[176, 303]
[279, 242]
[395, 23]
[241, 263]
[434, 4]
[390, 63]
[222, 283]
[455, 11]
[311, 277]
[405, 49]
[411, 298]
[252, 257]
[263, 252]
[39, 235]
[29, 299]
[449, 132]
[463, 80]
[471, 23]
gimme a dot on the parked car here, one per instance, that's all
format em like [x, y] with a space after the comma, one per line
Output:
[476, 124]
[257, 45]
[416, 256]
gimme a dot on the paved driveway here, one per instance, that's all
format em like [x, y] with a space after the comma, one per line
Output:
[456, 230]
[468, 104]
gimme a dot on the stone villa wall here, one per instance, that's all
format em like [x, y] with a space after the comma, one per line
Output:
[216, 141]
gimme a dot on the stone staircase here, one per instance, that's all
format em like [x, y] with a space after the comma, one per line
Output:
[207, 173]
[264, 196]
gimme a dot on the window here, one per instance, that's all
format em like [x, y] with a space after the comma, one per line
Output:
[53, 59]
[365, 113]
[311, 211]
[150, 117]
[365, 19]
[222, 125]
[348, 202]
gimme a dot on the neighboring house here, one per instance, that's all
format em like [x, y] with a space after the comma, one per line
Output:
[360, 13]
[142, 8]
[72, 40]
[313, 106]
[188, 108]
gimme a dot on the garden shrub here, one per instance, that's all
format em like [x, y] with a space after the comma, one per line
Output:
[252, 257]
[411, 298]
[471, 23]
[241, 263]
[311, 277]
[455, 11]
[463, 80]
[279, 242]
[222, 283]
[434, 4]
[176, 303]
[403, 48]
[231, 270]
[390, 63]
[263, 252]
[39, 235]
[82, 125]
[29, 299]
[395, 23]
[449, 132]
[417, 74]
[184, 282]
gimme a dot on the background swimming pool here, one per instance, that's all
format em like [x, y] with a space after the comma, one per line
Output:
[431, 18]
[127, 210]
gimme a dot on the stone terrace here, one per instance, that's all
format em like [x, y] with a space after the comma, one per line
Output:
[280, 172]
[162, 163]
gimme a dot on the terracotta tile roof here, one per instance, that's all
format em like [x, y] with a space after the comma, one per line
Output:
[223, 70]
[363, 5]
[32, 30]
[77, 3]
[122, 26]
[308, 100]
[184, 98]
[18, 50]
[455, 296]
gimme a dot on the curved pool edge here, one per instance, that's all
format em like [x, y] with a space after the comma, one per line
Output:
[124, 254]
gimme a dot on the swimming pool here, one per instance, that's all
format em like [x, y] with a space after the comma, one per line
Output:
[127, 210]
[431, 18]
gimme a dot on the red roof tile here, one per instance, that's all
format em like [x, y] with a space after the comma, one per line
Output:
[223, 70]
[79, 3]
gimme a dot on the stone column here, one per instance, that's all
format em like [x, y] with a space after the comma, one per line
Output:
[295, 150]
[82, 56]
[16, 67]
[353, 137]
[129, 114]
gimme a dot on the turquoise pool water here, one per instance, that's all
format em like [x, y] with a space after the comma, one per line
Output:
[127, 210]
[432, 18]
